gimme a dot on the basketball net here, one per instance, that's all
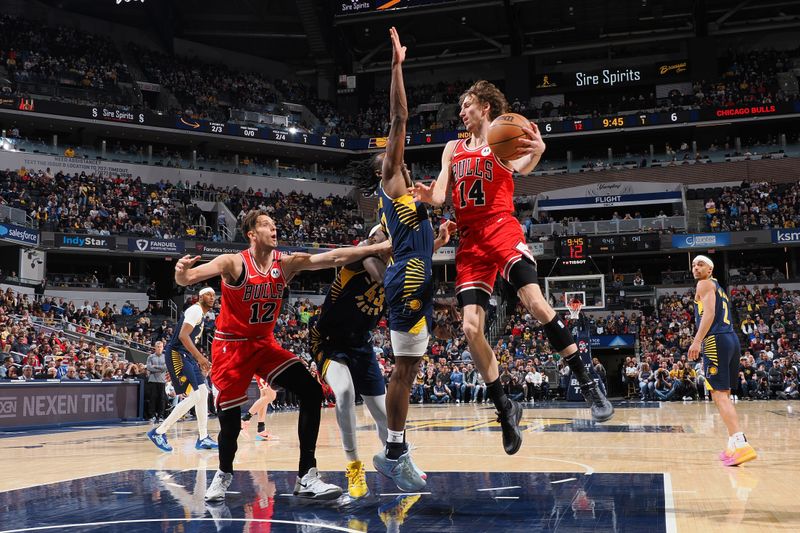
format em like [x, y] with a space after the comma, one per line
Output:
[574, 309]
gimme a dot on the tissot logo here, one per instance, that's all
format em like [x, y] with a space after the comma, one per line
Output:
[142, 244]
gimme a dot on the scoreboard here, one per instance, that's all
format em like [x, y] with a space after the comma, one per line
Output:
[577, 249]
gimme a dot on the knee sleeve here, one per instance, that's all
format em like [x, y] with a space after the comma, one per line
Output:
[522, 273]
[557, 334]
[473, 297]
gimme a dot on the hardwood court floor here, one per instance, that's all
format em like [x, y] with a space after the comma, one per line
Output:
[596, 476]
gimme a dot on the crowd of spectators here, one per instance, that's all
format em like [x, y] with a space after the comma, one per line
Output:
[35, 340]
[754, 206]
[61, 56]
[69, 56]
[302, 218]
[207, 90]
[99, 205]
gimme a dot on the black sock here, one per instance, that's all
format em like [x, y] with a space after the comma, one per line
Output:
[229, 426]
[575, 363]
[261, 427]
[247, 416]
[395, 449]
[296, 379]
[494, 390]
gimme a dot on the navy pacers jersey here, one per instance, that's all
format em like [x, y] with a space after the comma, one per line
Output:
[350, 311]
[192, 315]
[722, 312]
[408, 278]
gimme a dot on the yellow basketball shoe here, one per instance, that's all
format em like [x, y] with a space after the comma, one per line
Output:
[740, 456]
[394, 513]
[356, 479]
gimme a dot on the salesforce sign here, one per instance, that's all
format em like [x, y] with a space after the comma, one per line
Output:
[786, 236]
[19, 234]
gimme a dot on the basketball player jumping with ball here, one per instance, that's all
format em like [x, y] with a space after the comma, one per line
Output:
[492, 241]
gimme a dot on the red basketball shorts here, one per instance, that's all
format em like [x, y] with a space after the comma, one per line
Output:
[235, 362]
[488, 249]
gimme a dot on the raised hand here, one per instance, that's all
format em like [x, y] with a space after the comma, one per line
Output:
[422, 192]
[398, 50]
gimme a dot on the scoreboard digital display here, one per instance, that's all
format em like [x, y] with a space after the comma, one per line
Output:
[610, 244]
[579, 248]
[439, 137]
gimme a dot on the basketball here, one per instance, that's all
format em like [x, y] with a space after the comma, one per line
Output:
[505, 134]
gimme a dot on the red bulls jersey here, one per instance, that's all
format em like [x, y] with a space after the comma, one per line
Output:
[483, 187]
[249, 310]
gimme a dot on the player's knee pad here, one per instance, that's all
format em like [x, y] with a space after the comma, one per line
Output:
[522, 273]
[473, 297]
[557, 333]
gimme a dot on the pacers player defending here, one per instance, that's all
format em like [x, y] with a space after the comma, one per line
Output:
[492, 241]
[408, 283]
[721, 350]
[187, 370]
[253, 283]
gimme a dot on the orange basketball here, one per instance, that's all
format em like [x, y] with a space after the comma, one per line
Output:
[505, 134]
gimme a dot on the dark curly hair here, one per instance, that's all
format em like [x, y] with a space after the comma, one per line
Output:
[366, 173]
[487, 93]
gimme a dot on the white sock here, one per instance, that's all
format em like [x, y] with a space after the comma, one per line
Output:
[739, 440]
[178, 411]
[201, 408]
[395, 436]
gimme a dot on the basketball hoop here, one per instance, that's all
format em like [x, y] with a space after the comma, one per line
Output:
[575, 309]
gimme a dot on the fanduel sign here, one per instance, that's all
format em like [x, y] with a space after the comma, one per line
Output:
[19, 234]
[63, 240]
[156, 246]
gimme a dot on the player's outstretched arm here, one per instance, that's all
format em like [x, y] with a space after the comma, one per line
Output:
[392, 169]
[335, 258]
[436, 193]
[707, 295]
[532, 147]
[223, 265]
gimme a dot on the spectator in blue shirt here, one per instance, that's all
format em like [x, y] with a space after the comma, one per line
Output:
[457, 385]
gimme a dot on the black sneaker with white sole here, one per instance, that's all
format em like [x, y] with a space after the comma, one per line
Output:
[509, 422]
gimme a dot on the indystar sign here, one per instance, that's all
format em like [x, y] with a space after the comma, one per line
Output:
[63, 240]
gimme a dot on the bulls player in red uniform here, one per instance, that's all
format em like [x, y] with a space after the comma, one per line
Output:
[492, 241]
[253, 283]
